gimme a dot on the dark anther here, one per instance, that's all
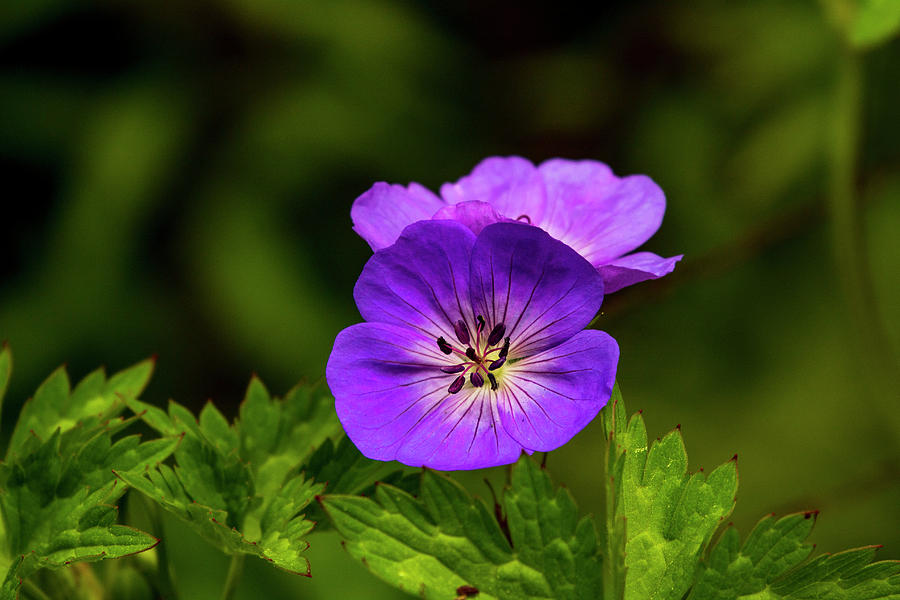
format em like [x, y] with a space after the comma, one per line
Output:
[470, 353]
[497, 363]
[476, 379]
[496, 334]
[457, 384]
[462, 332]
[525, 218]
[505, 349]
[454, 369]
[480, 325]
[444, 346]
[493, 381]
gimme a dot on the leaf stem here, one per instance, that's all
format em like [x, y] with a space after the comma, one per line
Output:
[235, 568]
[31, 588]
[872, 348]
[164, 582]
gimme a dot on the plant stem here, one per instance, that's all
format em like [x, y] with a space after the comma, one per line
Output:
[234, 576]
[871, 346]
[31, 588]
[165, 584]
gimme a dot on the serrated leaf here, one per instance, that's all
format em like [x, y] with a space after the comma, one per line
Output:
[766, 567]
[665, 516]
[94, 400]
[58, 492]
[445, 539]
[875, 22]
[239, 485]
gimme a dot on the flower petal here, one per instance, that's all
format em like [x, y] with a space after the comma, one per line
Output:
[392, 400]
[612, 219]
[635, 268]
[382, 212]
[547, 398]
[571, 182]
[512, 185]
[539, 288]
[421, 281]
[474, 215]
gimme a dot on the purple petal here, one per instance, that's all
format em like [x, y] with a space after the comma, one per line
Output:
[512, 185]
[547, 398]
[572, 182]
[625, 217]
[382, 212]
[421, 281]
[392, 400]
[474, 215]
[635, 268]
[541, 289]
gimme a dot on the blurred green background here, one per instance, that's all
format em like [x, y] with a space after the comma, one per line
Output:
[177, 178]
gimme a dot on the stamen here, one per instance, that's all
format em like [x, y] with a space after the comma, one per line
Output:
[496, 334]
[505, 350]
[493, 381]
[454, 369]
[476, 379]
[480, 325]
[457, 384]
[470, 353]
[526, 218]
[497, 363]
[462, 332]
[444, 346]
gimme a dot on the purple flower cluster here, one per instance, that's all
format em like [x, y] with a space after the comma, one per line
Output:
[476, 302]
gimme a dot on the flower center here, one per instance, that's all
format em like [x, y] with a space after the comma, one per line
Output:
[482, 355]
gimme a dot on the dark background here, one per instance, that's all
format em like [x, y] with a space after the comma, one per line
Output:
[177, 178]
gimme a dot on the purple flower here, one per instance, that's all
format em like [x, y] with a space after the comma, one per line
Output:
[474, 347]
[581, 203]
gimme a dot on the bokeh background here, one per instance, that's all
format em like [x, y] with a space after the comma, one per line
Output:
[177, 178]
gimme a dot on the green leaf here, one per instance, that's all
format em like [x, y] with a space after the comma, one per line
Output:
[667, 515]
[445, 539]
[344, 470]
[94, 400]
[875, 22]
[766, 567]
[57, 488]
[240, 485]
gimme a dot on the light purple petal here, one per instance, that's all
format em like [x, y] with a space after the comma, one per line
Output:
[421, 281]
[392, 400]
[541, 289]
[512, 185]
[572, 182]
[635, 268]
[547, 398]
[610, 220]
[474, 215]
[382, 212]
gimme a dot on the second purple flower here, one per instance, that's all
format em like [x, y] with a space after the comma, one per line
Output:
[580, 203]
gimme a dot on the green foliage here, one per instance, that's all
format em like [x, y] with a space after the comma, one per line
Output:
[241, 486]
[659, 520]
[58, 489]
[669, 514]
[344, 470]
[445, 539]
[769, 566]
[875, 22]
[94, 400]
